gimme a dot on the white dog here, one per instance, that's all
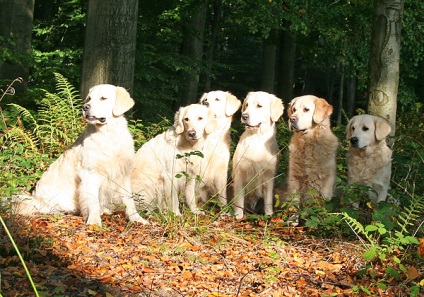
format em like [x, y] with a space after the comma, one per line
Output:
[369, 158]
[256, 157]
[93, 176]
[217, 145]
[312, 149]
[169, 164]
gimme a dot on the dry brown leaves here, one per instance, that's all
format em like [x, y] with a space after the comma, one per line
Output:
[225, 258]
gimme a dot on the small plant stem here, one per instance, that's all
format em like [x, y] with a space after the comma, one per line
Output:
[20, 256]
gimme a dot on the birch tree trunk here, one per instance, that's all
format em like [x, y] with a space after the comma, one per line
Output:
[384, 59]
[16, 30]
[110, 43]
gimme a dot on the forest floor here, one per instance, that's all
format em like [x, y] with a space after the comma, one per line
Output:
[222, 258]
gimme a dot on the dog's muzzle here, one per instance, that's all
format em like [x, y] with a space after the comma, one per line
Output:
[89, 118]
[354, 141]
[245, 120]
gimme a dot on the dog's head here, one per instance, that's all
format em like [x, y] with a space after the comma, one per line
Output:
[306, 112]
[366, 130]
[222, 104]
[195, 121]
[105, 102]
[261, 108]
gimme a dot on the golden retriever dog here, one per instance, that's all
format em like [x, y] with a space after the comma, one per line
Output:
[217, 145]
[256, 157]
[169, 164]
[369, 157]
[94, 175]
[312, 149]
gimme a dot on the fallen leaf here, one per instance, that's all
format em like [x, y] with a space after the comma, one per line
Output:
[412, 273]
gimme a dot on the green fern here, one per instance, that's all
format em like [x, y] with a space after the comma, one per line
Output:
[358, 228]
[411, 214]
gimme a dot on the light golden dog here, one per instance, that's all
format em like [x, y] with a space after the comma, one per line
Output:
[93, 176]
[170, 163]
[217, 145]
[256, 157]
[369, 158]
[312, 149]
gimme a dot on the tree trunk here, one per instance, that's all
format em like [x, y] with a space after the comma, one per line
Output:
[287, 64]
[215, 25]
[192, 49]
[351, 94]
[341, 95]
[110, 43]
[384, 59]
[269, 52]
[16, 28]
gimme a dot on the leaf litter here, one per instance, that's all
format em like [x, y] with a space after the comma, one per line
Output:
[224, 258]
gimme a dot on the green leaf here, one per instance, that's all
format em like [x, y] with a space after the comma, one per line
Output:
[370, 255]
[371, 228]
[392, 272]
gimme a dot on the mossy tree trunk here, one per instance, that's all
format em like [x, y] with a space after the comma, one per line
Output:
[110, 44]
[384, 59]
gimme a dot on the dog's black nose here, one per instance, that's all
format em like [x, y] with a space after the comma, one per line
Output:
[354, 141]
[192, 133]
[86, 107]
[292, 119]
[205, 103]
[245, 116]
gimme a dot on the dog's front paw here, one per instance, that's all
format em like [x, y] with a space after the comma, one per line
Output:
[135, 217]
[197, 211]
[94, 220]
[238, 213]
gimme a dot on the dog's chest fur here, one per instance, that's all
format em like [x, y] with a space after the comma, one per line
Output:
[368, 164]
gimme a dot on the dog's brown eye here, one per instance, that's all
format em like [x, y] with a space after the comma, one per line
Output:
[200, 118]
[186, 119]
[259, 106]
[353, 128]
[294, 109]
[87, 99]
[216, 99]
[365, 128]
[305, 109]
[103, 98]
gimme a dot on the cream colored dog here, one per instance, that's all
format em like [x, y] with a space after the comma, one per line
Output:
[165, 166]
[217, 145]
[312, 149]
[93, 176]
[256, 157]
[369, 158]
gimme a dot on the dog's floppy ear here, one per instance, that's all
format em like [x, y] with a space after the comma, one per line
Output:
[232, 104]
[178, 121]
[243, 107]
[277, 108]
[382, 128]
[211, 124]
[203, 97]
[290, 108]
[349, 129]
[123, 102]
[322, 110]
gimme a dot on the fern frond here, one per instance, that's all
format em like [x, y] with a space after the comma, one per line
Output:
[26, 115]
[358, 228]
[18, 135]
[412, 213]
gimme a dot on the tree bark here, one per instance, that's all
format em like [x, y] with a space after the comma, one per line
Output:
[351, 94]
[384, 59]
[269, 58]
[110, 44]
[16, 29]
[215, 25]
[192, 49]
[287, 64]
